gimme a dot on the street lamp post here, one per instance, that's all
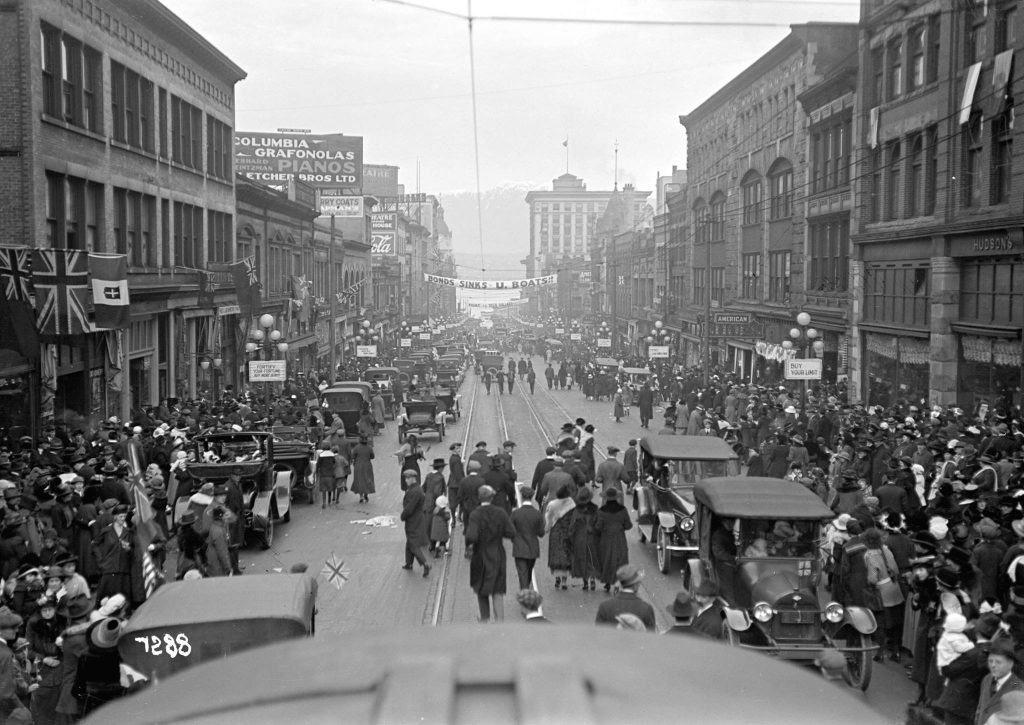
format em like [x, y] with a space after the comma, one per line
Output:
[805, 338]
[266, 337]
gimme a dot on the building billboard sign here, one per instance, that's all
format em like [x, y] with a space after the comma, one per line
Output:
[405, 342]
[366, 351]
[268, 371]
[383, 244]
[604, 342]
[803, 369]
[657, 351]
[341, 206]
[325, 161]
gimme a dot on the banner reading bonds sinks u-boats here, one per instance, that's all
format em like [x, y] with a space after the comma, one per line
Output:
[325, 161]
[504, 284]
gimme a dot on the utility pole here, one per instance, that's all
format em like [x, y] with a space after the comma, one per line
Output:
[707, 305]
[332, 298]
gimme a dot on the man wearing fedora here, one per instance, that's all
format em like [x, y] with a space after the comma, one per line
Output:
[625, 600]
[998, 682]
[708, 620]
[74, 646]
[528, 523]
[416, 540]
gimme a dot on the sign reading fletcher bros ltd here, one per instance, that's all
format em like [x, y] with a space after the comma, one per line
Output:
[332, 161]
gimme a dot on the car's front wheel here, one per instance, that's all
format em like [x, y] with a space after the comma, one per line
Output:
[858, 664]
[729, 635]
[267, 535]
[661, 546]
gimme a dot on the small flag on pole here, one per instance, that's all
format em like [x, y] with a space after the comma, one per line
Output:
[335, 572]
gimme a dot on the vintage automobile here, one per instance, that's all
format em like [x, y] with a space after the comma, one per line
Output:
[421, 416]
[490, 358]
[345, 400]
[448, 377]
[448, 397]
[607, 365]
[266, 482]
[295, 445]
[390, 387]
[769, 586]
[669, 467]
[186, 623]
[534, 674]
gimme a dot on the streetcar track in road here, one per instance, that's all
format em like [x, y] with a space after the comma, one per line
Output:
[442, 585]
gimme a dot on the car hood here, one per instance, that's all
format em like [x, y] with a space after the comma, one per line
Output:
[775, 582]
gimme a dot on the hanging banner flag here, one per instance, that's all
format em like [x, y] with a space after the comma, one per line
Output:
[17, 316]
[109, 273]
[61, 281]
[503, 284]
[247, 285]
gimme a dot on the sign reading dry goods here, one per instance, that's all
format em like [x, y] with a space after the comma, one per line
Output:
[331, 161]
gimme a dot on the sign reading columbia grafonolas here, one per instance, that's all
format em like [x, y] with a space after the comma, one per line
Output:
[491, 283]
[326, 161]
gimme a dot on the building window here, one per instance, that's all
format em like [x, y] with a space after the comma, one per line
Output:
[72, 79]
[1006, 34]
[974, 32]
[218, 236]
[186, 133]
[753, 198]
[878, 76]
[875, 184]
[135, 227]
[992, 291]
[778, 276]
[131, 107]
[188, 235]
[916, 63]
[718, 217]
[74, 211]
[931, 170]
[717, 285]
[1002, 155]
[892, 189]
[703, 216]
[915, 176]
[972, 148]
[700, 284]
[934, 46]
[218, 148]
[780, 182]
[830, 157]
[829, 256]
[897, 295]
[894, 74]
[751, 275]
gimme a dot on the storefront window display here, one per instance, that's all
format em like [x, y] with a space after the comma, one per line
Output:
[989, 371]
[897, 369]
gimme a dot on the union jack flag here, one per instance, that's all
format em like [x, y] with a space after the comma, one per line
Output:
[16, 272]
[61, 281]
[335, 571]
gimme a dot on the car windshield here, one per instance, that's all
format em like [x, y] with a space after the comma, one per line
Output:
[761, 538]
[237, 449]
[677, 474]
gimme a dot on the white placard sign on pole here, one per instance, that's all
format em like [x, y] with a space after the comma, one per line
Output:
[604, 342]
[405, 342]
[366, 351]
[575, 336]
[268, 371]
[424, 335]
[654, 351]
[803, 368]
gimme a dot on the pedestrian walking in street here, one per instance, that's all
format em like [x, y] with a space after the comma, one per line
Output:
[469, 491]
[531, 379]
[486, 531]
[362, 470]
[630, 466]
[583, 538]
[549, 375]
[325, 475]
[415, 528]
[410, 455]
[617, 407]
[528, 523]
[433, 488]
[611, 524]
[440, 527]
[645, 404]
[500, 377]
[218, 561]
[611, 473]
[377, 406]
[557, 525]
[342, 469]
[487, 380]
[511, 382]
[456, 472]
[626, 601]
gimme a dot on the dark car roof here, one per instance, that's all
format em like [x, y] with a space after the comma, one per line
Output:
[390, 371]
[217, 599]
[518, 673]
[691, 448]
[762, 498]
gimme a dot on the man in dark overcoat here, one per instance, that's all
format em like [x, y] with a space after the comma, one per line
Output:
[486, 530]
[415, 529]
[645, 402]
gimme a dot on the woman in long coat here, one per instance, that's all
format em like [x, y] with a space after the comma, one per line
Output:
[362, 470]
[586, 457]
[611, 524]
[377, 406]
[583, 539]
[410, 455]
[557, 526]
[486, 530]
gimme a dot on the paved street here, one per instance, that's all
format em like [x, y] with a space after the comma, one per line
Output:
[380, 594]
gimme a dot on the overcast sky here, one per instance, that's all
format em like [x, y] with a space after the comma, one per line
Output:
[399, 76]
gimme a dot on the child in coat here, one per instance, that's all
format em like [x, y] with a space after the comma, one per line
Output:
[440, 523]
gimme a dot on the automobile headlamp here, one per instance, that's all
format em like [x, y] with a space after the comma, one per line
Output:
[686, 523]
[763, 611]
[834, 612]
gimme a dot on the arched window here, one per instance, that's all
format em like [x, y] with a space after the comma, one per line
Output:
[702, 217]
[718, 217]
[753, 198]
[780, 188]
